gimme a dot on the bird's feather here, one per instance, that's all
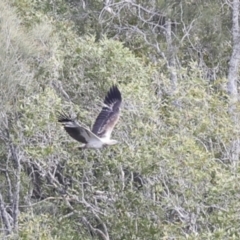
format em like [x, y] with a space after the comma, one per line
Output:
[108, 117]
[75, 130]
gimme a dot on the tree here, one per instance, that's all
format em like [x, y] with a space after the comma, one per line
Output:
[170, 176]
[235, 57]
[233, 73]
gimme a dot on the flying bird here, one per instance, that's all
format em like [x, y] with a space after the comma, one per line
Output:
[100, 135]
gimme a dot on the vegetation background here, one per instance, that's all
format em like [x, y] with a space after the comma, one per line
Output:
[175, 173]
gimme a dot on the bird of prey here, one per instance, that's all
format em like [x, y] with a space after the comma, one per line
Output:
[101, 131]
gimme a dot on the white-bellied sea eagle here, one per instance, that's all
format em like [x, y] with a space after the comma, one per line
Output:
[101, 131]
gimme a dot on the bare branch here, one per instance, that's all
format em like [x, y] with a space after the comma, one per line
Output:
[5, 216]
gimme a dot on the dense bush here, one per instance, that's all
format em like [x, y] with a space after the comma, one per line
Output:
[169, 177]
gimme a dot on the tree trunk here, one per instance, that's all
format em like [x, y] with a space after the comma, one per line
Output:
[233, 77]
[235, 57]
[171, 55]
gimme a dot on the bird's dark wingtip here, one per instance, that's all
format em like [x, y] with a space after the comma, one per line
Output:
[113, 94]
[63, 117]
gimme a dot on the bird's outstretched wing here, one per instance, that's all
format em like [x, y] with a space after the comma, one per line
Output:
[108, 117]
[79, 133]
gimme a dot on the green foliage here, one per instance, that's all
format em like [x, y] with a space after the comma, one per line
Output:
[45, 226]
[170, 176]
[39, 117]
